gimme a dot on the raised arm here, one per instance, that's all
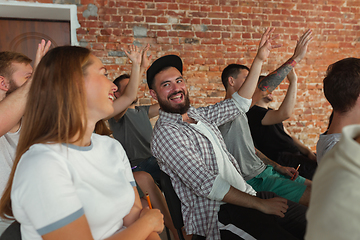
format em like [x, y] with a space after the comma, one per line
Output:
[287, 106]
[265, 46]
[13, 106]
[140, 63]
[268, 84]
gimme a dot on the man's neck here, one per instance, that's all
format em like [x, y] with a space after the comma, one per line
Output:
[229, 93]
[262, 104]
[188, 119]
[341, 120]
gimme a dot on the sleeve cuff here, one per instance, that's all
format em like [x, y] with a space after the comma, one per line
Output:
[243, 104]
[219, 190]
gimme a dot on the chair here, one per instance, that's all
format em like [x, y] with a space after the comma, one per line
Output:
[12, 232]
[174, 205]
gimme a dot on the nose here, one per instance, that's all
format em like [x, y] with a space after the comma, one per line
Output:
[114, 88]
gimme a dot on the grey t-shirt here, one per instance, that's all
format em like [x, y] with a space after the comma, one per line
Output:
[240, 144]
[134, 132]
[325, 143]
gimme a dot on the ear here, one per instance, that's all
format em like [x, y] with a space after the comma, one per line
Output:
[153, 94]
[3, 84]
[231, 81]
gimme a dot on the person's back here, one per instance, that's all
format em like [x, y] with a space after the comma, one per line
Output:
[342, 90]
[334, 212]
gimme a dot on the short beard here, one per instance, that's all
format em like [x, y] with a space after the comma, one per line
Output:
[180, 109]
[12, 87]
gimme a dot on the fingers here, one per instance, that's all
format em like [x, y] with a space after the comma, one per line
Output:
[43, 48]
[47, 47]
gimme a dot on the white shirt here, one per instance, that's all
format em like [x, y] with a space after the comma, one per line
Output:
[334, 211]
[55, 184]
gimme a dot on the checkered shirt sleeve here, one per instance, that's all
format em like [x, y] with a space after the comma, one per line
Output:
[188, 158]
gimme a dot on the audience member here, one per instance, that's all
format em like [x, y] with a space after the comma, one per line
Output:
[342, 90]
[15, 81]
[215, 199]
[260, 172]
[133, 130]
[333, 213]
[271, 138]
[68, 182]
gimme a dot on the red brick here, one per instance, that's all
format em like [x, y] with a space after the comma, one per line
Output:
[230, 32]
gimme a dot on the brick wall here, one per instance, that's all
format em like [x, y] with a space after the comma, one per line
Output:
[209, 34]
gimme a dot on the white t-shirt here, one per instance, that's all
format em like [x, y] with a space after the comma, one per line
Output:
[227, 171]
[334, 211]
[325, 143]
[55, 184]
[8, 144]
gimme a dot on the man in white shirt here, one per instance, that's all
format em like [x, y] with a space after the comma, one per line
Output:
[15, 81]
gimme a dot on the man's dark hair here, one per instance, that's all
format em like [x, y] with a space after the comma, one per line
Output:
[342, 84]
[232, 70]
[119, 79]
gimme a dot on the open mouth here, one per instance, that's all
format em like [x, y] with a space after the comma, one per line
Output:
[112, 97]
[176, 97]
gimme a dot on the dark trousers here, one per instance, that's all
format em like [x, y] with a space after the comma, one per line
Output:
[246, 223]
[307, 167]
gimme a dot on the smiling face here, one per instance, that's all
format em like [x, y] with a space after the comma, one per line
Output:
[170, 91]
[99, 91]
[21, 73]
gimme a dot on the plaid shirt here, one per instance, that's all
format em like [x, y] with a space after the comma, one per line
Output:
[187, 156]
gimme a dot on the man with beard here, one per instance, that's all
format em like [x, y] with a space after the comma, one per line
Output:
[216, 202]
[15, 81]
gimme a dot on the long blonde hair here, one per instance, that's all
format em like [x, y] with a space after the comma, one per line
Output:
[56, 105]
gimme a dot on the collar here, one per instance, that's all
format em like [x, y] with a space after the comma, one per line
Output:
[176, 117]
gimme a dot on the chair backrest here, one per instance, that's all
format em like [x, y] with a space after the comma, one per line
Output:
[12, 232]
[173, 203]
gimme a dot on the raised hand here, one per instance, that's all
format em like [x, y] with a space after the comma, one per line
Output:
[145, 61]
[266, 44]
[276, 206]
[301, 46]
[42, 49]
[134, 54]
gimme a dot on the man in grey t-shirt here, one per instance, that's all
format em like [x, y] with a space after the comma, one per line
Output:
[133, 130]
